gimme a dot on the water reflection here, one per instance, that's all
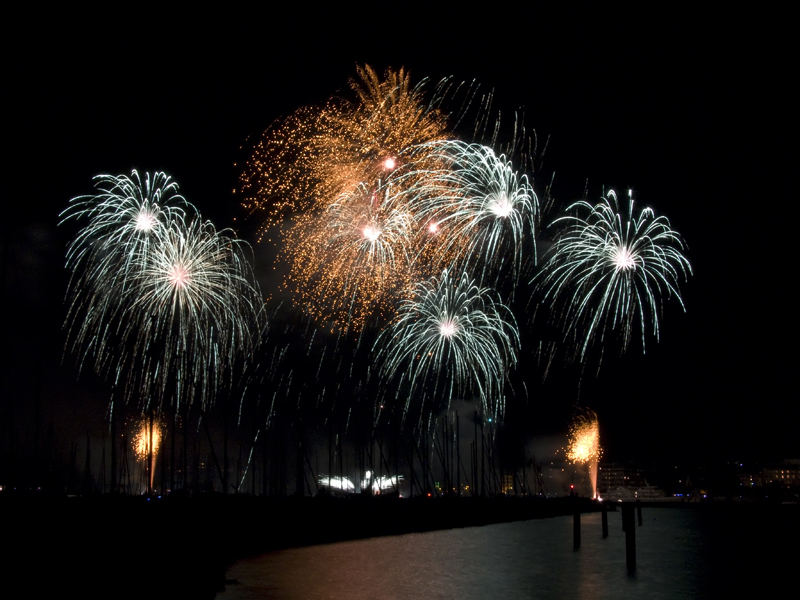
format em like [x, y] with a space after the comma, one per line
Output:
[530, 559]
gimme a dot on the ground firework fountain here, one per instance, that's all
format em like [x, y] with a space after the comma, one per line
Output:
[146, 444]
[584, 444]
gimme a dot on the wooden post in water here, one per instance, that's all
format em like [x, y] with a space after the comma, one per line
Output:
[604, 510]
[639, 511]
[576, 524]
[630, 536]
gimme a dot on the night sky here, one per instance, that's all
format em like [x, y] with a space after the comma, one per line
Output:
[690, 110]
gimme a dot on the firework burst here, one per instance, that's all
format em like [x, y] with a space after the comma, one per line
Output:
[454, 334]
[354, 260]
[475, 207]
[313, 174]
[192, 310]
[127, 218]
[307, 160]
[610, 270]
[160, 302]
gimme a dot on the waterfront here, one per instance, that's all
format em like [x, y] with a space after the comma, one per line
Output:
[682, 552]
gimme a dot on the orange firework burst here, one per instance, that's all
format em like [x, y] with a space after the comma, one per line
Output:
[317, 173]
[355, 259]
[306, 160]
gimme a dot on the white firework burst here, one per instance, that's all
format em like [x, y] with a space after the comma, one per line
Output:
[450, 338]
[609, 270]
[478, 207]
[159, 300]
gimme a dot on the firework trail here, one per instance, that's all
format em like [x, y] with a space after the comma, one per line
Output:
[609, 270]
[475, 208]
[454, 333]
[584, 444]
[160, 301]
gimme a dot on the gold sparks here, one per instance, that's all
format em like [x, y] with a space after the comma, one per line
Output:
[319, 177]
[148, 437]
[584, 439]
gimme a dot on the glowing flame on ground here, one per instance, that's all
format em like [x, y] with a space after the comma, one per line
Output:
[584, 444]
[141, 441]
[147, 439]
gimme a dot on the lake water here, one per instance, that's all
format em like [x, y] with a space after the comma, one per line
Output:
[681, 553]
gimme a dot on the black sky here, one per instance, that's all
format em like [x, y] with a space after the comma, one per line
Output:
[690, 109]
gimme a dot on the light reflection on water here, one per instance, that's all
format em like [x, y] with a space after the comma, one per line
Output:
[528, 559]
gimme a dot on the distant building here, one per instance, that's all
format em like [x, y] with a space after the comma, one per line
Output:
[615, 475]
[750, 478]
[617, 482]
[787, 474]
